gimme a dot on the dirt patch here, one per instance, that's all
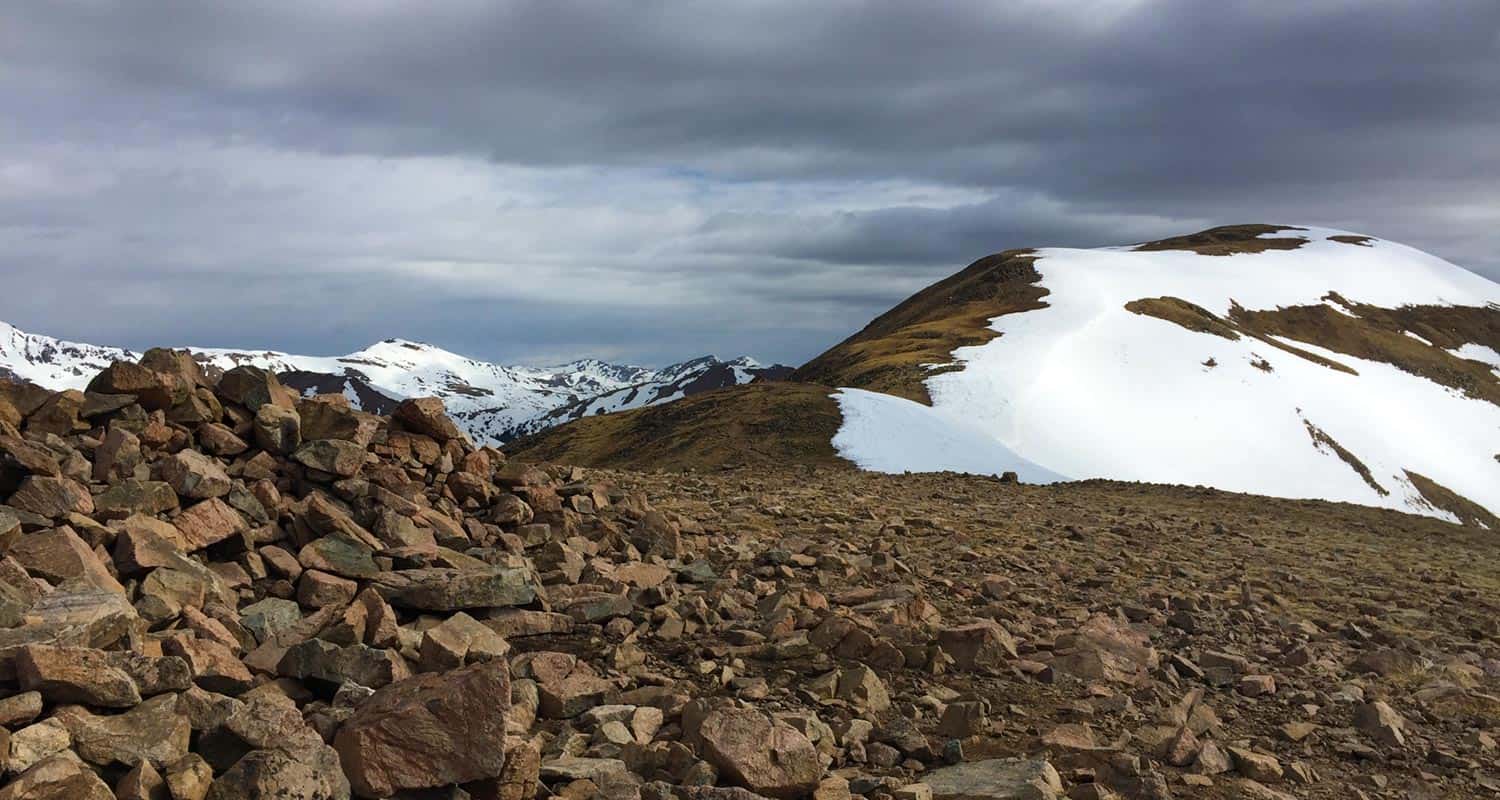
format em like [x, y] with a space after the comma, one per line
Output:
[889, 354]
[1228, 240]
[758, 424]
[1347, 238]
[1321, 439]
[1441, 497]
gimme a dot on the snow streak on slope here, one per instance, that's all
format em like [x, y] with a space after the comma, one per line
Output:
[884, 433]
[1088, 389]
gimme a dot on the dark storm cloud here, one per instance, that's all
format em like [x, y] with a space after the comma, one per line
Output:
[645, 180]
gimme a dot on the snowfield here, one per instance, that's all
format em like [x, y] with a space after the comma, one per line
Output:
[884, 433]
[1085, 388]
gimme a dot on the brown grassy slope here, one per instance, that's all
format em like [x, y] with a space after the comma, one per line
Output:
[1468, 512]
[1378, 335]
[758, 424]
[1194, 317]
[1228, 240]
[888, 354]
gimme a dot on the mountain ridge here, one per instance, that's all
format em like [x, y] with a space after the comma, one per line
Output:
[494, 402]
[1281, 360]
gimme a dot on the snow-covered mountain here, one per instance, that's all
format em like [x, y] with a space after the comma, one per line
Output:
[494, 402]
[1293, 362]
[665, 385]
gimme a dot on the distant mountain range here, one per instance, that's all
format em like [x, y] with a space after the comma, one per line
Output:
[494, 402]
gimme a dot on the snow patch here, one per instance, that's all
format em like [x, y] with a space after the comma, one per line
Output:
[884, 433]
[1478, 352]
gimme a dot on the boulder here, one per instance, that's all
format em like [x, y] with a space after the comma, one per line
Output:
[52, 497]
[135, 496]
[447, 589]
[1381, 722]
[208, 522]
[59, 777]
[154, 731]
[325, 420]
[75, 675]
[459, 640]
[983, 647]
[996, 779]
[193, 475]
[313, 773]
[761, 754]
[117, 455]
[214, 666]
[320, 660]
[432, 730]
[58, 556]
[189, 777]
[58, 415]
[253, 387]
[1102, 649]
[155, 391]
[34, 744]
[427, 416]
[278, 430]
[218, 440]
[334, 456]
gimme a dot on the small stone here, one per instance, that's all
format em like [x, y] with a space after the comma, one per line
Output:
[1256, 685]
[1381, 723]
[1256, 766]
[189, 777]
[35, 743]
[983, 647]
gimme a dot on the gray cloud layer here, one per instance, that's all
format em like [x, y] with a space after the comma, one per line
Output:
[648, 181]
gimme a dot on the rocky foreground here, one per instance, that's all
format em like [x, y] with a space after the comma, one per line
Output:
[211, 587]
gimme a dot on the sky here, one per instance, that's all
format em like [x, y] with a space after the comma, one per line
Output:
[650, 181]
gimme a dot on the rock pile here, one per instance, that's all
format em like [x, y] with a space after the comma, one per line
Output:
[211, 587]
